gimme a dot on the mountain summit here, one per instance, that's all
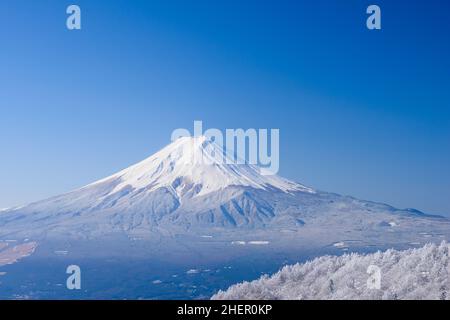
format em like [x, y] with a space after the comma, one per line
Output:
[189, 165]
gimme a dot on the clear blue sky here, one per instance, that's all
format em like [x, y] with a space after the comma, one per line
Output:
[364, 113]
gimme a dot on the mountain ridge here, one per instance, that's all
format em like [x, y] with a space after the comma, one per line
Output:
[175, 191]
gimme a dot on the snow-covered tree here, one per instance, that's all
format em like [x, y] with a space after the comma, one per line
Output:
[411, 274]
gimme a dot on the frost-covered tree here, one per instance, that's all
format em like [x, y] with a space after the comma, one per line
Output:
[411, 274]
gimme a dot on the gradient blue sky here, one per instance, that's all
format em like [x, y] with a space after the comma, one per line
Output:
[364, 113]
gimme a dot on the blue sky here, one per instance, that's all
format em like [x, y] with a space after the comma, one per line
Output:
[364, 113]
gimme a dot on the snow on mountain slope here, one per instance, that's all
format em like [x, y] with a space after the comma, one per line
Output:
[422, 274]
[188, 163]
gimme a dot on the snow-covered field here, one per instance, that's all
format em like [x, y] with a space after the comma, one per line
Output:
[411, 274]
[12, 254]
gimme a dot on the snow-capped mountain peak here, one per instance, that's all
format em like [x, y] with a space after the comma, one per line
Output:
[183, 189]
[196, 162]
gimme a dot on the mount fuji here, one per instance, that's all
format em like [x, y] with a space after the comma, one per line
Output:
[183, 190]
[182, 225]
